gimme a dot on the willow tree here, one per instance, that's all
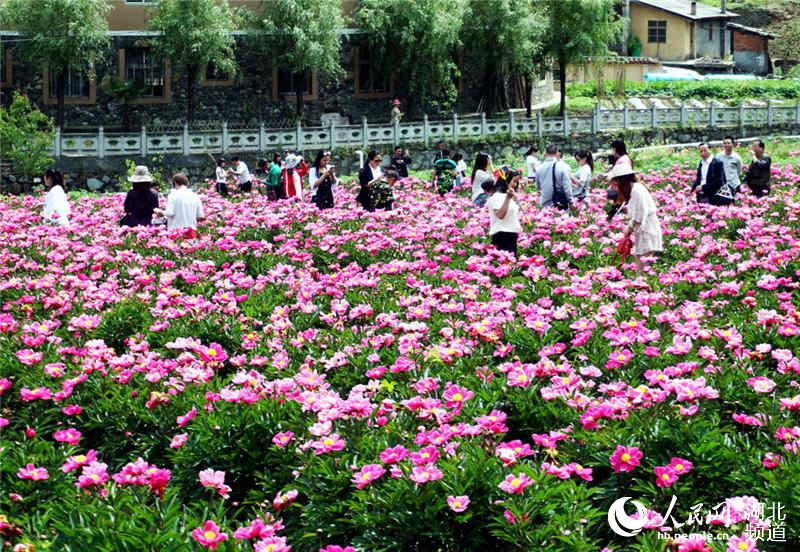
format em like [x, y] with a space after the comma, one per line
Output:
[301, 37]
[504, 46]
[577, 29]
[62, 35]
[193, 34]
[416, 40]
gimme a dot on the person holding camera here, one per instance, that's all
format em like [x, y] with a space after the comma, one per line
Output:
[369, 175]
[399, 161]
[504, 211]
[322, 178]
[554, 181]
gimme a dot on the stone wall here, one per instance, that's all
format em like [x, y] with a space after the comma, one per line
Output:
[109, 170]
[246, 102]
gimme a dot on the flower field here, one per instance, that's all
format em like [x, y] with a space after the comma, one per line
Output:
[387, 381]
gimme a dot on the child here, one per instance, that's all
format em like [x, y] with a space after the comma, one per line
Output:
[487, 186]
[444, 176]
[580, 183]
[382, 193]
[221, 178]
[461, 168]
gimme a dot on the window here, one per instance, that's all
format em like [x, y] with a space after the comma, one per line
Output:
[6, 77]
[214, 76]
[143, 68]
[287, 84]
[657, 31]
[368, 79]
[283, 84]
[78, 88]
[76, 85]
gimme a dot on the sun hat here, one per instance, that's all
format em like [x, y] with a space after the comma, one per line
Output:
[292, 160]
[141, 174]
[395, 102]
[620, 170]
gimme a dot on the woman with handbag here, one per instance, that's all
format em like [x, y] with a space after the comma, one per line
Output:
[140, 202]
[643, 222]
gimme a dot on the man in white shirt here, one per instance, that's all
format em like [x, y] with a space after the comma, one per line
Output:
[731, 163]
[554, 175]
[183, 208]
[239, 168]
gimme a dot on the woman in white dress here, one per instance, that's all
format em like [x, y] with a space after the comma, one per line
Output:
[643, 222]
[56, 206]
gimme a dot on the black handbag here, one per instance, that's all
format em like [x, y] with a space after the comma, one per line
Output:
[559, 195]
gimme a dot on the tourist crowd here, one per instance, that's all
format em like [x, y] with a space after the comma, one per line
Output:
[718, 181]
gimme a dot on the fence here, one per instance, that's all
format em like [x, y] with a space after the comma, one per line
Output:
[186, 142]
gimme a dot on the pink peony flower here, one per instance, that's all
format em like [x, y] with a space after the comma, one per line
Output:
[515, 484]
[214, 353]
[281, 500]
[178, 440]
[70, 436]
[211, 479]
[75, 462]
[679, 465]
[209, 535]
[665, 476]
[394, 454]
[367, 475]
[458, 503]
[771, 460]
[425, 474]
[625, 459]
[327, 444]
[92, 474]
[33, 473]
[741, 544]
[282, 439]
[761, 384]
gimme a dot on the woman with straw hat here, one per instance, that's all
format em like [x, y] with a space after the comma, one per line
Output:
[291, 178]
[643, 222]
[140, 202]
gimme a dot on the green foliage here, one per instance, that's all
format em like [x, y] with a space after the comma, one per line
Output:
[579, 105]
[60, 34]
[417, 39]
[502, 52]
[193, 35]
[731, 91]
[787, 42]
[579, 29]
[26, 136]
[301, 36]
[634, 45]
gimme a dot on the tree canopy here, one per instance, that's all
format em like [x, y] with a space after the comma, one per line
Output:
[417, 41]
[504, 45]
[26, 136]
[194, 34]
[60, 34]
[301, 37]
[577, 29]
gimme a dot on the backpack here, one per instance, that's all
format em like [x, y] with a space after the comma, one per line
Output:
[559, 195]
